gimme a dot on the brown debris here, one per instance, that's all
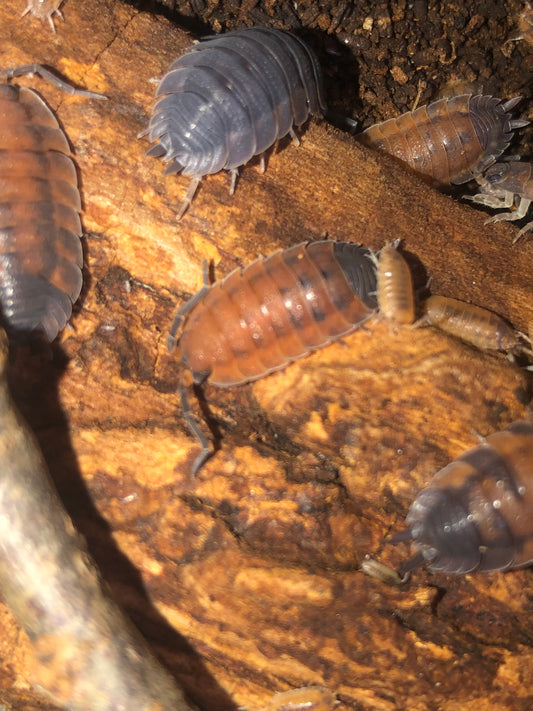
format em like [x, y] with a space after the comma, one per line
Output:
[245, 580]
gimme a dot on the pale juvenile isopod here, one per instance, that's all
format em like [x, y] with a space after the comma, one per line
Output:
[259, 319]
[230, 98]
[477, 513]
[395, 295]
[44, 10]
[452, 140]
[505, 185]
[480, 327]
[40, 254]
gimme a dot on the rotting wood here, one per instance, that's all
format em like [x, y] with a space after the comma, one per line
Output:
[245, 580]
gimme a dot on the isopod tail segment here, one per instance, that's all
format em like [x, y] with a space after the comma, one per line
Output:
[44, 73]
[477, 513]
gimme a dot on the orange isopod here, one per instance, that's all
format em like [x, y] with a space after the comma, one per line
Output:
[480, 327]
[477, 513]
[40, 254]
[276, 310]
[451, 140]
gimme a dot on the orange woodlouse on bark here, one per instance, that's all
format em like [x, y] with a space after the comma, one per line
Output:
[504, 185]
[477, 512]
[40, 255]
[451, 140]
[480, 327]
[395, 295]
[44, 10]
[276, 310]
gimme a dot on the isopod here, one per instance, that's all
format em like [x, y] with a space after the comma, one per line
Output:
[451, 140]
[477, 512]
[44, 10]
[503, 185]
[230, 98]
[395, 295]
[40, 255]
[475, 325]
[276, 310]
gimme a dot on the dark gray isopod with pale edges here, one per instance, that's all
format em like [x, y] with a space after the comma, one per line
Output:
[231, 97]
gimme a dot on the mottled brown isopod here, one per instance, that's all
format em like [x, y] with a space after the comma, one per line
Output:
[452, 140]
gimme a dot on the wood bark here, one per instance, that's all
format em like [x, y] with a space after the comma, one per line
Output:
[246, 580]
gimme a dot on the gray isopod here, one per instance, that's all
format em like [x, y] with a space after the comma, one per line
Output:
[230, 98]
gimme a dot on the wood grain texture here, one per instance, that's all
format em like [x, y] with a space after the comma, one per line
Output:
[246, 579]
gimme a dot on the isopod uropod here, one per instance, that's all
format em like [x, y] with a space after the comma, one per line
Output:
[477, 513]
[40, 254]
[451, 140]
[230, 98]
[503, 185]
[44, 10]
[395, 295]
[276, 310]
[480, 327]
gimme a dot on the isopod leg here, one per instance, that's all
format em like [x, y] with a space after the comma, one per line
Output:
[191, 190]
[49, 76]
[496, 201]
[194, 429]
[234, 175]
[527, 228]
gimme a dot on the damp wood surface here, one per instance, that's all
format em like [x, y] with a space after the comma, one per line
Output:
[246, 580]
